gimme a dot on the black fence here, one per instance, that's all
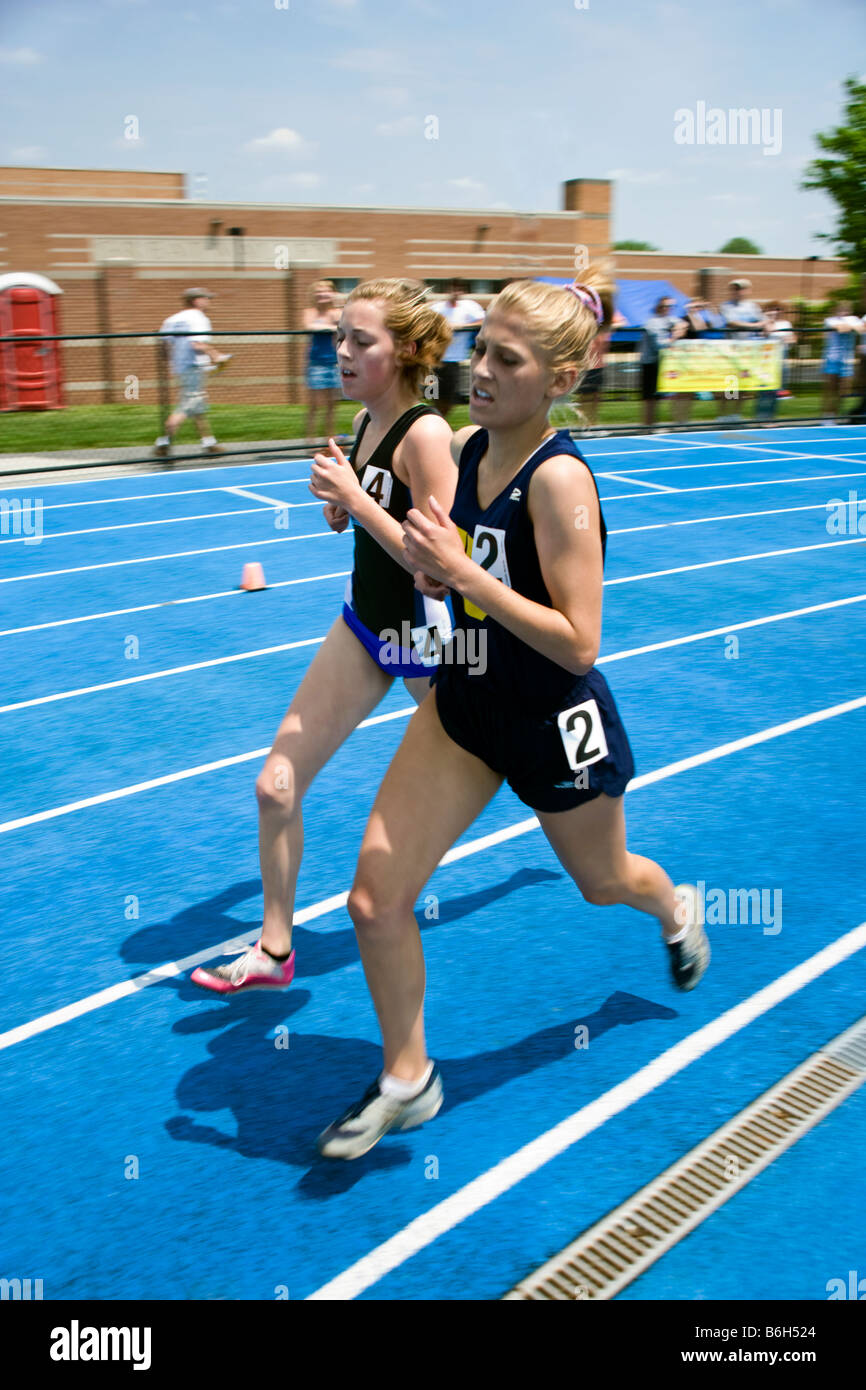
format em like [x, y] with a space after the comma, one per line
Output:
[106, 398]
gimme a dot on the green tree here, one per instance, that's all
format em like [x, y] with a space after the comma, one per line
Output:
[843, 175]
[740, 246]
[633, 246]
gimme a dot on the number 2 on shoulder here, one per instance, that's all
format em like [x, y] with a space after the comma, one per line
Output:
[488, 551]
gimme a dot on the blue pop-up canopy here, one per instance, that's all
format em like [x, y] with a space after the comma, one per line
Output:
[636, 299]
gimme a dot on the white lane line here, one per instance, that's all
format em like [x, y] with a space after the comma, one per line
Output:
[127, 987]
[478, 1193]
[732, 560]
[702, 520]
[245, 757]
[768, 449]
[71, 806]
[160, 675]
[312, 641]
[143, 496]
[245, 545]
[174, 555]
[732, 627]
[730, 487]
[135, 525]
[257, 497]
[818, 432]
[337, 574]
[628, 453]
[168, 603]
[618, 478]
[702, 467]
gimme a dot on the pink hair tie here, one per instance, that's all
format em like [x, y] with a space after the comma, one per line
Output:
[589, 297]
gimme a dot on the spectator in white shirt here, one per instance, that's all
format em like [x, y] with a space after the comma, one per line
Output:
[461, 314]
[779, 330]
[187, 345]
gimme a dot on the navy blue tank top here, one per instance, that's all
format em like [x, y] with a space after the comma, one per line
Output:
[501, 539]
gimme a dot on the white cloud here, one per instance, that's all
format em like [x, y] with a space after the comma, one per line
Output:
[388, 96]
[289, 183]
[23, 57]
[27, 154]
[639, 176]
[370, 60]
[406, 125]
[282, 140]
[465, 184]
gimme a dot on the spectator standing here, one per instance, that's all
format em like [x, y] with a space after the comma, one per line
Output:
[323, 375]
[840, 344]
[661, 328]
[857, 413]
[700, 320]
[462, 315]
[780, 330]
[187, 345]
[743, 320]
[590, 388]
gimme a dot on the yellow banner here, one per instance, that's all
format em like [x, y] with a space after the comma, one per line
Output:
[721, 364]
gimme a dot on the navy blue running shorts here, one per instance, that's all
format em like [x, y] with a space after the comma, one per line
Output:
[551, 762]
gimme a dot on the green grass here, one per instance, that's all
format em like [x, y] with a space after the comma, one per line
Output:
[125, 426]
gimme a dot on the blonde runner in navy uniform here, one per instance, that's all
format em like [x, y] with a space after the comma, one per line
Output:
[388, 340]
[522, 554]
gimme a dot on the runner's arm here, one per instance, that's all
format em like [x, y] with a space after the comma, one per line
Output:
[564, 511]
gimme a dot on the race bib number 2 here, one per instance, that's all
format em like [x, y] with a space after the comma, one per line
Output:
[487, 548]
[582, 734]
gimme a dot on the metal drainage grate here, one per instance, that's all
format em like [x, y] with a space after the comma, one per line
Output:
[629, 1239]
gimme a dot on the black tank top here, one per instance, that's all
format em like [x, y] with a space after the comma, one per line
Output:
[383, 593]
[501, 539]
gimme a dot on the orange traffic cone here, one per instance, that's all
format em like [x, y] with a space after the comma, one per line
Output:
[253, 576]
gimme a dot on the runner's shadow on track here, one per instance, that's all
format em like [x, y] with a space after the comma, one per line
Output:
[282, 1097]
[318, 952]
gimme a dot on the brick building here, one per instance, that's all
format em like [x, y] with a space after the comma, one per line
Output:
[121, 246]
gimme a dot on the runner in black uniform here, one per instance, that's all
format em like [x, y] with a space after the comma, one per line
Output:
[387, 340]
[522, 554]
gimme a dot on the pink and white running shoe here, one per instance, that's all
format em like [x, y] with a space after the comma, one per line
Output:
[254, 969]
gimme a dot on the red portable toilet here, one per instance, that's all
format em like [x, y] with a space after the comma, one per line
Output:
[30, 376]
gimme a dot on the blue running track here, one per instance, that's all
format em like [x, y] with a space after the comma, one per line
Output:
[159, 1143]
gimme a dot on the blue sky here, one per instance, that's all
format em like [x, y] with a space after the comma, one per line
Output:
[327, 101]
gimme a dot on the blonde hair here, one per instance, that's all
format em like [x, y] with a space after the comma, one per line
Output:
[410, 319]
[562, 325]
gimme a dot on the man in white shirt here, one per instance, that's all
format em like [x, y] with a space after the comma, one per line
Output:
[191, 353]
[743, 320]
[461, 314]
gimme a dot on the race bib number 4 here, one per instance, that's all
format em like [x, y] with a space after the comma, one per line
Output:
[582, 734]
[376, 482]
[429, 641]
